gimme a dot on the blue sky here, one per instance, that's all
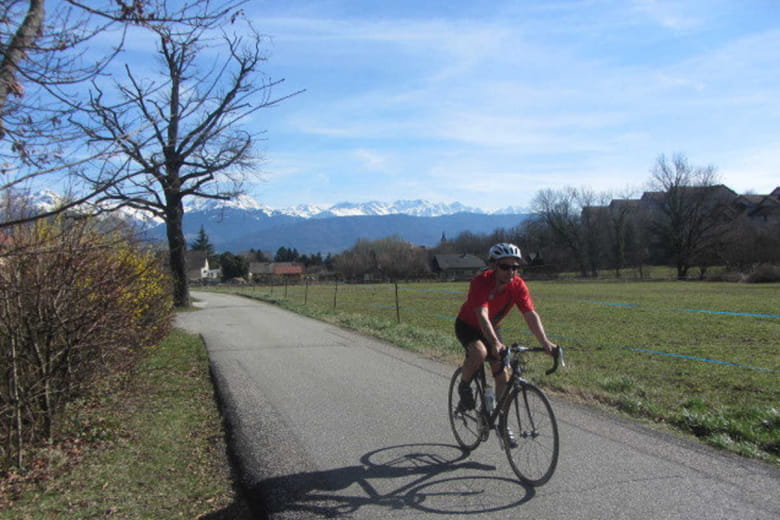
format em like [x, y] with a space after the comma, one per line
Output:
[488, 102]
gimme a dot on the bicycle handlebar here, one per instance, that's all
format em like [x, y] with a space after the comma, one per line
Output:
[557, 355]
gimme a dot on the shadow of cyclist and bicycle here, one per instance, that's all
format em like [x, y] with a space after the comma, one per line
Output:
[434, 478]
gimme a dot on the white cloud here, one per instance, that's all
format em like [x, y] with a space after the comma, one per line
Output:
[532, 95]
[370, 159]
[671, 14]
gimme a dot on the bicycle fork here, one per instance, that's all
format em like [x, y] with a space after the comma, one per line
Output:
[525, 421]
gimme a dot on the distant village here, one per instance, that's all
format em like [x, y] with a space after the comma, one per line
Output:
[744, 216]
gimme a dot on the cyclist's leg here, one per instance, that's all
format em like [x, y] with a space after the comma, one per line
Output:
[468, 425]
[475, 346]
[476, 353]
[471, 364]
[500, 376]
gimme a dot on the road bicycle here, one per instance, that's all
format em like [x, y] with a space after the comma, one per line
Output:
[523, 410]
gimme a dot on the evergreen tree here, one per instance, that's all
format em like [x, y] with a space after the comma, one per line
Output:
[259, 256]
[202, 243]
[284, 254]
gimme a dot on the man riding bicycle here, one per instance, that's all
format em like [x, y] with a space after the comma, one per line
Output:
[491, 296]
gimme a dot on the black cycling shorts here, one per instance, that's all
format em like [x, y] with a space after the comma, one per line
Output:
[467, 334]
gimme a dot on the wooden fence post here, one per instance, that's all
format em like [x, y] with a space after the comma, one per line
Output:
[397, 305]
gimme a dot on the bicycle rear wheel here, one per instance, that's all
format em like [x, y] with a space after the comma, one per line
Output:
[530, 418]
[467, 425]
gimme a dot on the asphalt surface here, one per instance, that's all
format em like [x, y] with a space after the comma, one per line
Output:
[326, 423]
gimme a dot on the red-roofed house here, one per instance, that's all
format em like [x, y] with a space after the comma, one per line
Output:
[277, 269]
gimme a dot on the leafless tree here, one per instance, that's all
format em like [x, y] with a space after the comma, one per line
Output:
[385, 259]
[594, 219]
[183, 134]
[46, 56]
[561, 212]
[687, 209]
[621, 231]
[396, 259]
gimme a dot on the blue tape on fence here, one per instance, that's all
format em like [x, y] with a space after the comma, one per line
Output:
[693, 358]
[726, 313]
[752, 315]
[633, 349]
[667, 354]
[437, 291]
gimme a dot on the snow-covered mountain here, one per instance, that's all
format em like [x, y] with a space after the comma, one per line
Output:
[243, 223]
[243, 202]
[47, 199]
[417, 208]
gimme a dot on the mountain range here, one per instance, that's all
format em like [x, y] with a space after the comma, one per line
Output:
[243, 223]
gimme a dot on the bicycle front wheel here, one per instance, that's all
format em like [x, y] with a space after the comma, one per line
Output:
[530, 434]
[467, 425]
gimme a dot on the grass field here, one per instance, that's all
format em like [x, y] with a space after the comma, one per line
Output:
[701, 358]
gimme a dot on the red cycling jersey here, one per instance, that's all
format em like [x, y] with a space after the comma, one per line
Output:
[483, 293]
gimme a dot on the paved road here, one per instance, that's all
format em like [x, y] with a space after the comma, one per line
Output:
[326, 423]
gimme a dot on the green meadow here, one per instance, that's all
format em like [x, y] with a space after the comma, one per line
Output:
[700, 358]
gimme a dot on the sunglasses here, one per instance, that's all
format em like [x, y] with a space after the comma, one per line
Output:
[508, 267]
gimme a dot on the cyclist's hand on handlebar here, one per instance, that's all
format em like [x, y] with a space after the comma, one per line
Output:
[550, 348]
[497, 349]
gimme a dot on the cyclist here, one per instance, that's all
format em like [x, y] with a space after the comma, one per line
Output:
[491, 296]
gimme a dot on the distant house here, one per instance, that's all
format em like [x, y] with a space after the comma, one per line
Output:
[260, 269]
[457, 267]
[289, 270]
[198, 269]
[761, 210]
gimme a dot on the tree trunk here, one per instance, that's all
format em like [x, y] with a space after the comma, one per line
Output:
[17, 425]
[24, 37]
[177, 248]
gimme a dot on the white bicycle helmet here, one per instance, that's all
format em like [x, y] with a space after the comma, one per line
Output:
[505, 250]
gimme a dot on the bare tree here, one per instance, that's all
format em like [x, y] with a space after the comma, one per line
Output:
[390, 258]
[46, 56]
[396, 259]
[594, 219]
[686, 210]
[183, 135]
[621, 229]
[561, 212]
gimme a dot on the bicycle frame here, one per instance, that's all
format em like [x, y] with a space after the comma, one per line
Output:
[515, 380]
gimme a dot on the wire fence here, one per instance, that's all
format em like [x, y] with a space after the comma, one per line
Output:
[421, 305]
